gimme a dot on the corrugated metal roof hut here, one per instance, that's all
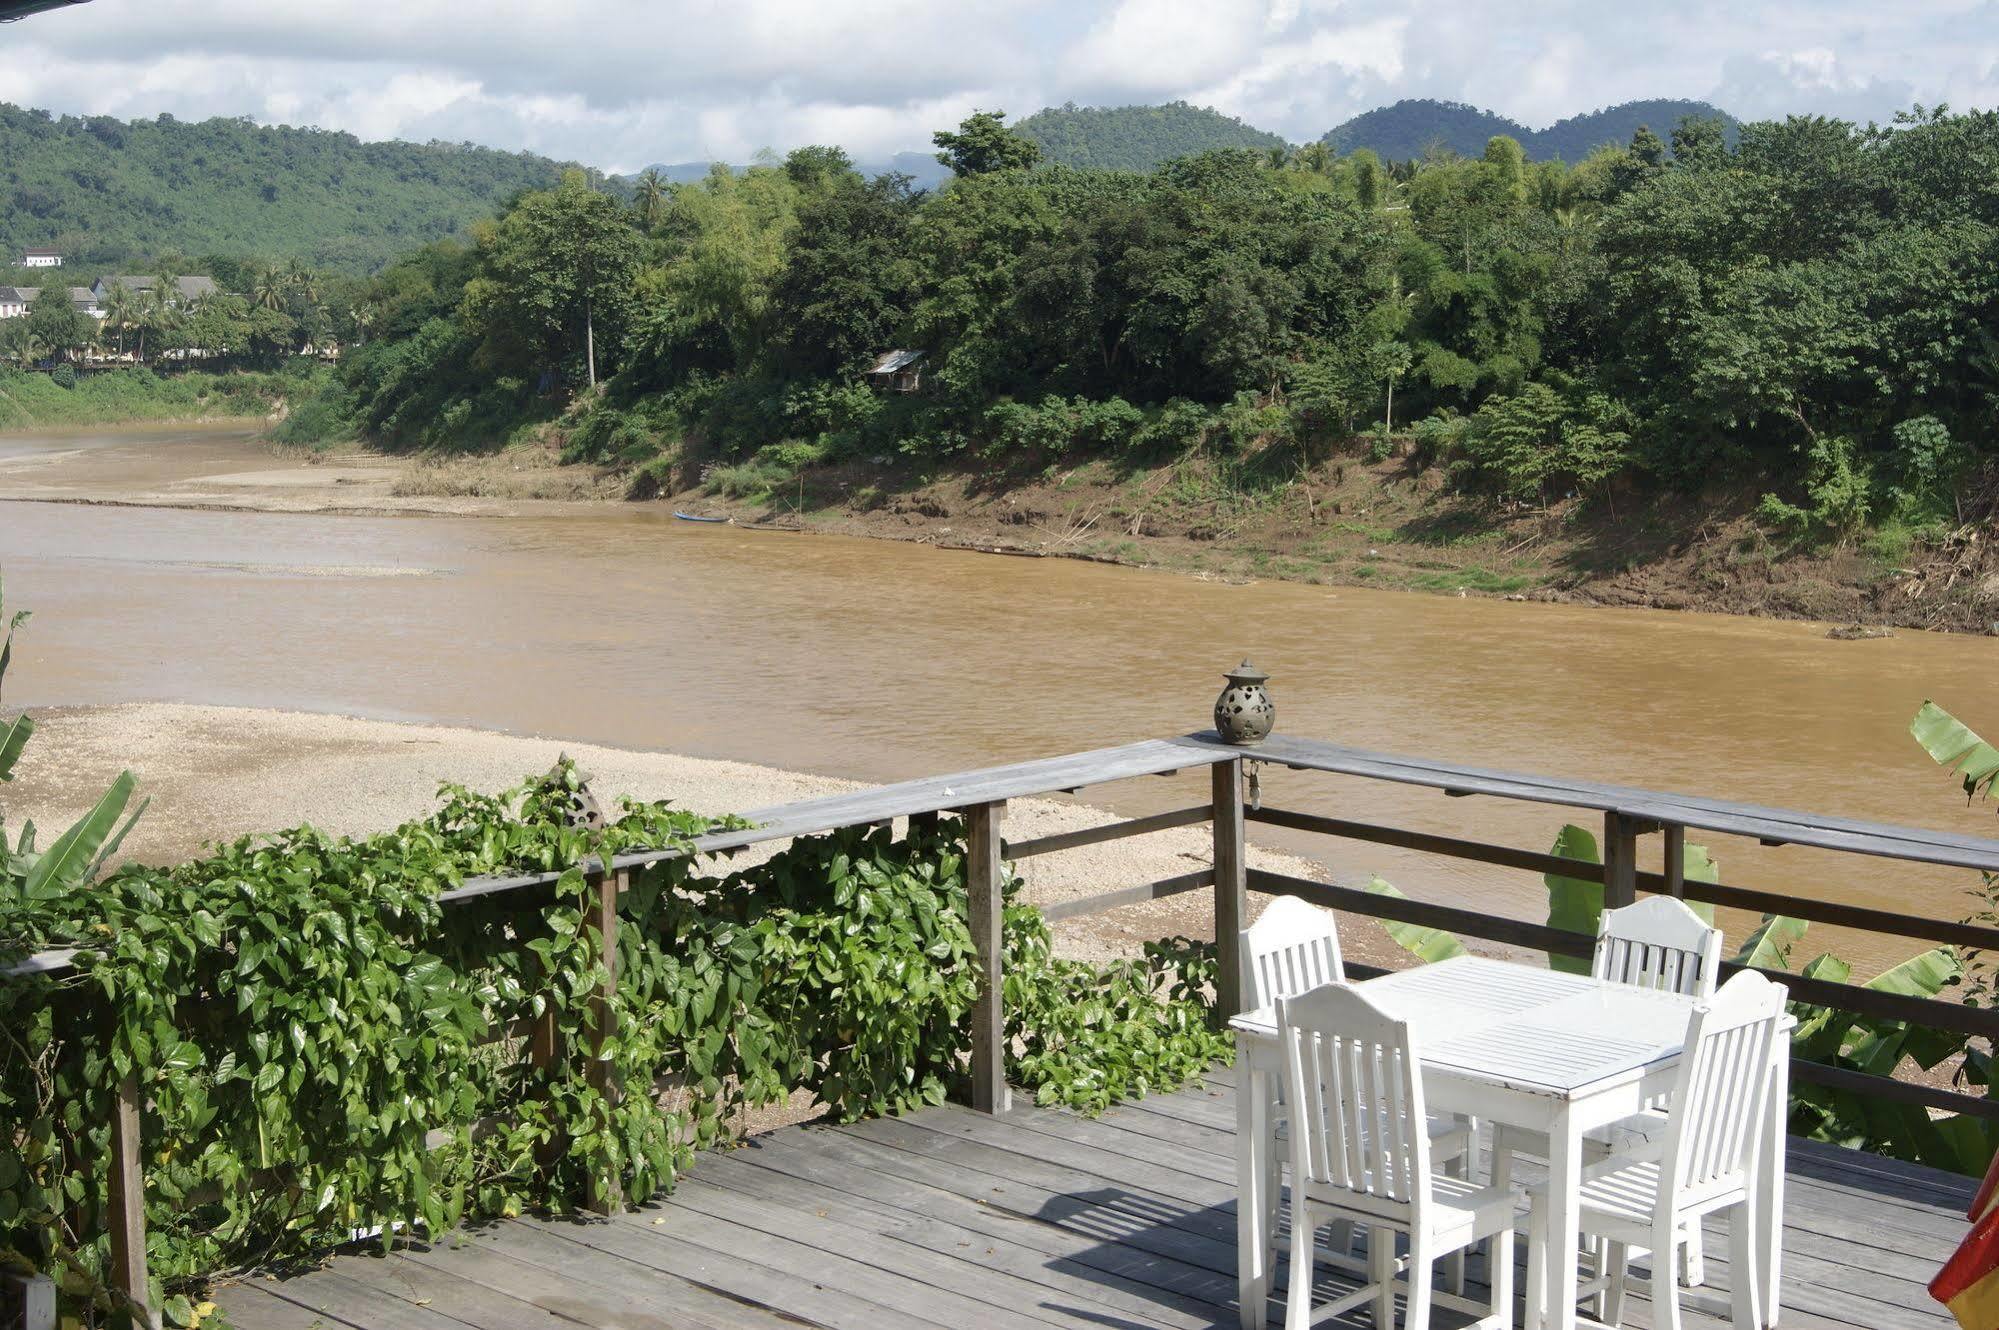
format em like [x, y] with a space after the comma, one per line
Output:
[897, 371]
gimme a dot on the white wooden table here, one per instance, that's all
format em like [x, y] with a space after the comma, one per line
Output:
[1528, 1047]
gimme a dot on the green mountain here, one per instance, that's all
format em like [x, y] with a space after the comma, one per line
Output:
[1413, 126]
[109, 192]
[1135, 138]
[1576, 137]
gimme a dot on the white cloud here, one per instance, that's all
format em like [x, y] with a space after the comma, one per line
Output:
[620, 83]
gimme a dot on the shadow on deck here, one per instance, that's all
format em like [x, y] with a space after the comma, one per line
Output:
[948, 1218]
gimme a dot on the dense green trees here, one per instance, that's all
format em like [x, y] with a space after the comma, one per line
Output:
[1810, 310]
[984, 144]
[560, 265]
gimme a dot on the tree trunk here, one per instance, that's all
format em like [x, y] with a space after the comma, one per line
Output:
[1390, 422]
[589, 343]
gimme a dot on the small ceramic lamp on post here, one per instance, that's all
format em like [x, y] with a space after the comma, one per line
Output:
[1243, 713]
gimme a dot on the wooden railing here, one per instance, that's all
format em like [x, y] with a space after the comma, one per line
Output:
[980, 799]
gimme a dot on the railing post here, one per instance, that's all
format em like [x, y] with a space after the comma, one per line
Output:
[1231, 885]
[544, 1047]
[1620, 860]
[125, 1203]
[983, 873]
[1675, 868]
[601, 923]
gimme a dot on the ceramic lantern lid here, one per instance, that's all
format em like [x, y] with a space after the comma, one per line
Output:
[1246, 675]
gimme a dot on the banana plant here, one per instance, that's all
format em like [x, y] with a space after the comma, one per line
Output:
[1576, 905]
[1835, 1038]
[1823, 1035]
[32, 877]
[1573, 903]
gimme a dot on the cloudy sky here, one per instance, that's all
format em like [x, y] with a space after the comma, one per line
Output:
[621, 83]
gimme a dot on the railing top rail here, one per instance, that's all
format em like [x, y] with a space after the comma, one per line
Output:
[930, 794]
[1775, 825]
[806, 817]
[1071, 771]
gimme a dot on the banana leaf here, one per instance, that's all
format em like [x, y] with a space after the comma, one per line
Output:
[1697, 866]
[70, 855]
[1769, 947]
[1971, 1140]
[1956, 747]
[1573, 904]
[1924, 975]
[111, 846]
[13, 737]
[1821, 1031]
[1426, 944]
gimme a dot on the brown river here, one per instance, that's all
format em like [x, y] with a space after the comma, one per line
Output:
[880, 661]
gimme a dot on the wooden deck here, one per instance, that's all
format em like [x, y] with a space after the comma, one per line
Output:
[1040, 1218]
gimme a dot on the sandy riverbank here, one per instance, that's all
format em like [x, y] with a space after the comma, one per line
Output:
[215, 773]
[228, 465]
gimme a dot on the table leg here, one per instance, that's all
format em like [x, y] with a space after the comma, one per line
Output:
[1770, 1179]
[1252, 1149]
[1561, 1234]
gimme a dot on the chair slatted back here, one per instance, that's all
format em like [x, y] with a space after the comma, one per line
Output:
[1292, 948]
[1658, 943]
[1724, 1086]
[1356, 1095]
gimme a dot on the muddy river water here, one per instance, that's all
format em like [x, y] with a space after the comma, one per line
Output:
[880, 661]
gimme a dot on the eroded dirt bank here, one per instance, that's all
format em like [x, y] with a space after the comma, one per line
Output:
[1390, 524]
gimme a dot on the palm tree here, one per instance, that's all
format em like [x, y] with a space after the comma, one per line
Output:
[118, 311]
[269, 288]
[651, 197]
[156, 311]
[303, 281]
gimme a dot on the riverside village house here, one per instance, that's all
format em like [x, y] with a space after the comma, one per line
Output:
[41, 258]
[15, 300]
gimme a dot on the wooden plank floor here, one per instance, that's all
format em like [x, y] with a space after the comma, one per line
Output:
[1039, 1219]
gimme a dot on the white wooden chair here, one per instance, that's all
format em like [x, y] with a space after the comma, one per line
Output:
[1293, 948]
[1360, 1152]
[1657, 943]
[1655, 1198]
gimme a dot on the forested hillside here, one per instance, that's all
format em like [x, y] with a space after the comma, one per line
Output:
[112, 193]
[1577, 136]
[1794, 331]
[1410, 128]
[1135, 138]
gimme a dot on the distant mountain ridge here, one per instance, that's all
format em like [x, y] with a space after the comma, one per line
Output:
[923, 167]
[1140, 138]
[1412, 126]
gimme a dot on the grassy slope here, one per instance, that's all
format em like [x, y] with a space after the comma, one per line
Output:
[30, 400]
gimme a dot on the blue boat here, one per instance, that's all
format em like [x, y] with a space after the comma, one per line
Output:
[694, 517]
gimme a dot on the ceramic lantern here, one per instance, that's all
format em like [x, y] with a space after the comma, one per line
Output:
[1243, 712]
